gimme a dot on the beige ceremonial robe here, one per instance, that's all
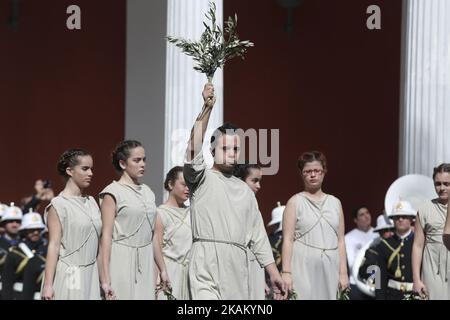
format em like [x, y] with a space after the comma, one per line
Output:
[225, 219]
[176, 248]
[435, 264]
[77, 274]
[315, 260]
[131, 264]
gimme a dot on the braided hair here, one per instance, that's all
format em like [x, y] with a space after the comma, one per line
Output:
[123, 151]
[69, 159]
[171, 177]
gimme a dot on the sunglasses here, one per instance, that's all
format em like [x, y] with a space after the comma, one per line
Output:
[401, 217]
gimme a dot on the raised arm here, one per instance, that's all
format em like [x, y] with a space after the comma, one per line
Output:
[201, 123]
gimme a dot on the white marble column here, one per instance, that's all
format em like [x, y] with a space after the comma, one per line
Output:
[145, 84]
[425, 103]
[184, 85]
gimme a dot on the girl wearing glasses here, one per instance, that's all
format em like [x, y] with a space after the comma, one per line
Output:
[313, 252]
[429, 252]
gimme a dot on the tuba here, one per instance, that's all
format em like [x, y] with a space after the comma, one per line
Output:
[415, 189]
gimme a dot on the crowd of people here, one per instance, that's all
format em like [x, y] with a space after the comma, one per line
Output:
[409, 251]
[125, 247]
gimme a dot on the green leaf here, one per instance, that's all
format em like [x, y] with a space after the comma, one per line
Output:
[216, 46]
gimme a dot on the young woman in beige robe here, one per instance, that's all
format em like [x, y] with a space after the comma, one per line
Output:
[313, 253]
[430, 259]
[173, 235]
[74, 225]
[128, 214]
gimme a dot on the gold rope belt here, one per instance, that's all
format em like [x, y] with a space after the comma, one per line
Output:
[241, 246]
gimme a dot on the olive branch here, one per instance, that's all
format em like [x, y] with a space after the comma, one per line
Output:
[216, 46]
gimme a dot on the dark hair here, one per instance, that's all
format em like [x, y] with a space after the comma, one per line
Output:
[172, 176]
[226, 128]
[242, 171]
[69, 159]
[312, 156]
[122, 152]
[445, 167]
[355, 211]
